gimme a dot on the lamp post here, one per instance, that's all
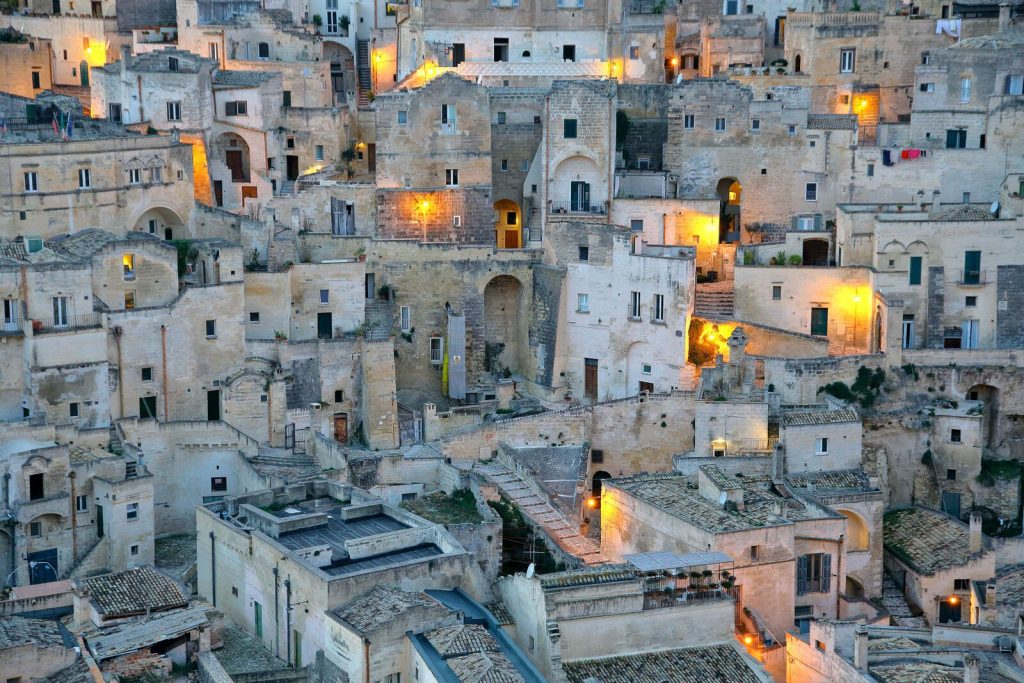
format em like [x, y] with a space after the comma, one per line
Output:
[31, 564]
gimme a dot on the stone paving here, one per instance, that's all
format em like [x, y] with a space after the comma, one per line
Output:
[552, 522]
[244, 654]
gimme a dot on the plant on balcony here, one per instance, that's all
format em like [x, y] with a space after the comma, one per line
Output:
[706, 573]
[795, 260]
[779, 259]
[344, 23]
[318, 21]
[280, 336]
[728, 583]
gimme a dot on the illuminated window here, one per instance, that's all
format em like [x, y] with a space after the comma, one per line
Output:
[129, 300]
[128, 263]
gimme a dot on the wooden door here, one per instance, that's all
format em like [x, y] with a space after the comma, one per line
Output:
[590, 378]
[371, 157]
[293, 166]
[233, 158]
[218, 192]
[341, 428]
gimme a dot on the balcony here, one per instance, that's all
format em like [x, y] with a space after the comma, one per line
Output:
[744, 445]
[449, 128]
[973, 278]
[70, 323]
[12, 327]
[56, 504]
[578, 208]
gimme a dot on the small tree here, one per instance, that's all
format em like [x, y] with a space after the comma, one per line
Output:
[317, 21]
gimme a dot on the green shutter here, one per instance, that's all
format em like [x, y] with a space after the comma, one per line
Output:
[915, 270]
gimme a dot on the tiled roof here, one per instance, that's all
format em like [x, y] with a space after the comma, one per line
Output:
[898, 643]
[1010, 585]
[15, 631]
[76, 673]
[927, 540]
[83, 454]
[133, 591]
[1003, 40]
[484, 667]
[85, 243]
[692, 665]
[796, 418]
[570, 70]
[917, 671]
[500, 613]
[462, 639]
[962, 212]
[608, 573]
[241, 79]
[831, 122]
[378, 607]
[134, 635]
[13, 252]
[833, 480]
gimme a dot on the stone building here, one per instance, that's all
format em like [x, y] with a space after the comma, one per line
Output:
[33, 649]
[26, 62]
[79, 42]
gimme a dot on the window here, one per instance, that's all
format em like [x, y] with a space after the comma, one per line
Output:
[965, 90]
[569, 128]
[81, 503]
[403, 117]
[147, 374]
[720, 124]
[129, 300]
[394, 678]
[755, 552]
[211, 328]
[915, 269]
[132, 511]
[927, 87]
[846, 60]
[325, 296]
[504, 165]
[954, 435]
[84, 179]
[214, 52]
[156, 174]
[172, 63]
[135, 176]
[502, 118]
[871, 170]
[634, 305]
[436, 349]
[290, 144]
[451, 177]
[73, 409]
[634, 52]
[448, 118]
[814, 573]
[60, 311]
[966, 198]
[688, 121]
[956, 138]
[1014, 84]
[318, 152]
[31, 181]
[254, 317]
[755, 125]
[646, 369]
[236, 108]
[583, 303]
[970, 301]
[777, 292]
[174, 111]
[636, 225]
[961, 584]
[658, 314]
[134, 549]
[584, 253]
[263, 50]
[339, 395]
[807, 223]
[35, 529]
[405, 319]
[811, 192]
[972, 268]
[218, 483]
[951, 475]
[791, 129]
[533, 644]
[926, 58]
[501, 49]
[128, 265]
[821, 446]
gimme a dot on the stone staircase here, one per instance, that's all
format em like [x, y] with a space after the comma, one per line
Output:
[378, 319]
[896, 605]
[542, 514]
[286, 188]
[364, 83]
[714, 300]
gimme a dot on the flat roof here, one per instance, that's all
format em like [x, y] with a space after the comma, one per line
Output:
[647, 562]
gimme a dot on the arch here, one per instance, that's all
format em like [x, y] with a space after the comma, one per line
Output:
[895, 246]
[578, 186]
[854, 588]
[263, 50]
[815, 252]
[989, 397]
[504, 323]
[730, 198]
[858, 534]
[232, 150]
[918, 246]
[508, 224]
[595, 482]
[878, 343]
[342, 67]
[796, 63]
[161, 221]
[526, 54]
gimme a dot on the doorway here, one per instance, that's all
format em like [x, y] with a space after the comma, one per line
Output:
[100, 530]
[213, 404]
[951, 503]
[458, 53]
[580, 196]
[233, 159]
[647, 386]
[595, 483]
[815, 253]
[42, 566]
[147, 407]
[590, 378]
[257, 609]
[83, 73]
[568, 53]
[341, 428]
[324, 328]
[218, 192]
[371, 289]
[949, 612]
[819, 322]
[292, 165]
[908, 331]
[371, 157]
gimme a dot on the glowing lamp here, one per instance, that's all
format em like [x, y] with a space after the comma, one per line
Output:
[424, 205]
[675, 61]
[748, 640]
[953, 600]
[592, 502]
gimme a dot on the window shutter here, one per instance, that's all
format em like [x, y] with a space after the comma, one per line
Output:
[817, 221]
[794, 223]
[801, 575]
[826, 573]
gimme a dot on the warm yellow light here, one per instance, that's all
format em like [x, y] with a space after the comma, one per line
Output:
[378, 55]
[591, 502]
[856, 298]
[863, 103]
[675, 61]
[749, 640]
[953, 600]
[424, 205]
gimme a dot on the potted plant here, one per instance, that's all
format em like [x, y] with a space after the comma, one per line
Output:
[280, 336]
[361, 253]
[344, 22]
[318, 22]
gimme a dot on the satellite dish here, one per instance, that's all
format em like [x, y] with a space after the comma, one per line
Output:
[722, 497]
[531, 570]
[995, 208]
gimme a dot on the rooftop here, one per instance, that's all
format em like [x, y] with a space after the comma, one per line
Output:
[134, 591]
[831, 122]
[380, 606]
[134, 635]
[557, 469]
[589, 576]
[16, 631]
[1010, 585]
[833, 481]
[691, 665]
[471, 653]
[244, 654]
[927, 540]
[569, 70]
[81, 129]
[241, 79]
[962, 212]
[84, 244]
[799, 418]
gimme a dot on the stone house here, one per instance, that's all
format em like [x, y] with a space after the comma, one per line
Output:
[79, 43]
[999, 601]
[26, 62]
[33, 649]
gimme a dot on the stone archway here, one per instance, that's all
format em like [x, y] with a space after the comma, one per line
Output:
[162, 222]
[858, 535]
[504, 324]
[232, 150]
[815, 252]
[596, 481]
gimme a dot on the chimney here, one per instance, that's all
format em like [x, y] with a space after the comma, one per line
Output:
[1004, 16]
[778, 463]
[975, 533]
[990, 595]
[780, 508]
[860, 648]
[972, 673]
[126, 52]
[935, 201]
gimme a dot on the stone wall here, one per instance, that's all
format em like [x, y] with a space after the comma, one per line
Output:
[456, 216]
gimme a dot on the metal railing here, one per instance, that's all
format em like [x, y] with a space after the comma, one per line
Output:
[83, 321]
[15, 326]
[745, 445]
[579, 208]
[973, 277]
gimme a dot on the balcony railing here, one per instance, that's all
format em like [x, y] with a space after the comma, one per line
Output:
[68, 323]
[973, 278]
[744, 445]
[11, 327]
[449, 128]
[579, 208]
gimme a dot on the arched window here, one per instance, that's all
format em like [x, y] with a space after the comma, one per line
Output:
[264, 50]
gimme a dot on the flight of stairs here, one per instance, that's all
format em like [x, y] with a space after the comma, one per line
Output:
[286, 188]
[365, 82]
[542, 515]
[714, 300]
[378, 319]
[896, 605]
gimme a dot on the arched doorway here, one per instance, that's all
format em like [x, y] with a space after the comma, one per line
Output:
[595, 483]
[878, 344]
[989, 397]
[233, 151]
[730, 195]
[796, 64]
[83, 73]
[342, 69]
[858, 536]
[161, 222]
[815, 252]
[503, 324]
[508, 224]
[579, 187]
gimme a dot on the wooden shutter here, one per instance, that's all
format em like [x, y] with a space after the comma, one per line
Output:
[801, 575]
[826, 573]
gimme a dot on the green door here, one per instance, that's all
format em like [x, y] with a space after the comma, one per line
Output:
[297, 657]
[83, 72]
[258, 615]
[819, 322]
[972, 267]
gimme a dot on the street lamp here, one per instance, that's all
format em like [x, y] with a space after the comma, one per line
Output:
[31, 564]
